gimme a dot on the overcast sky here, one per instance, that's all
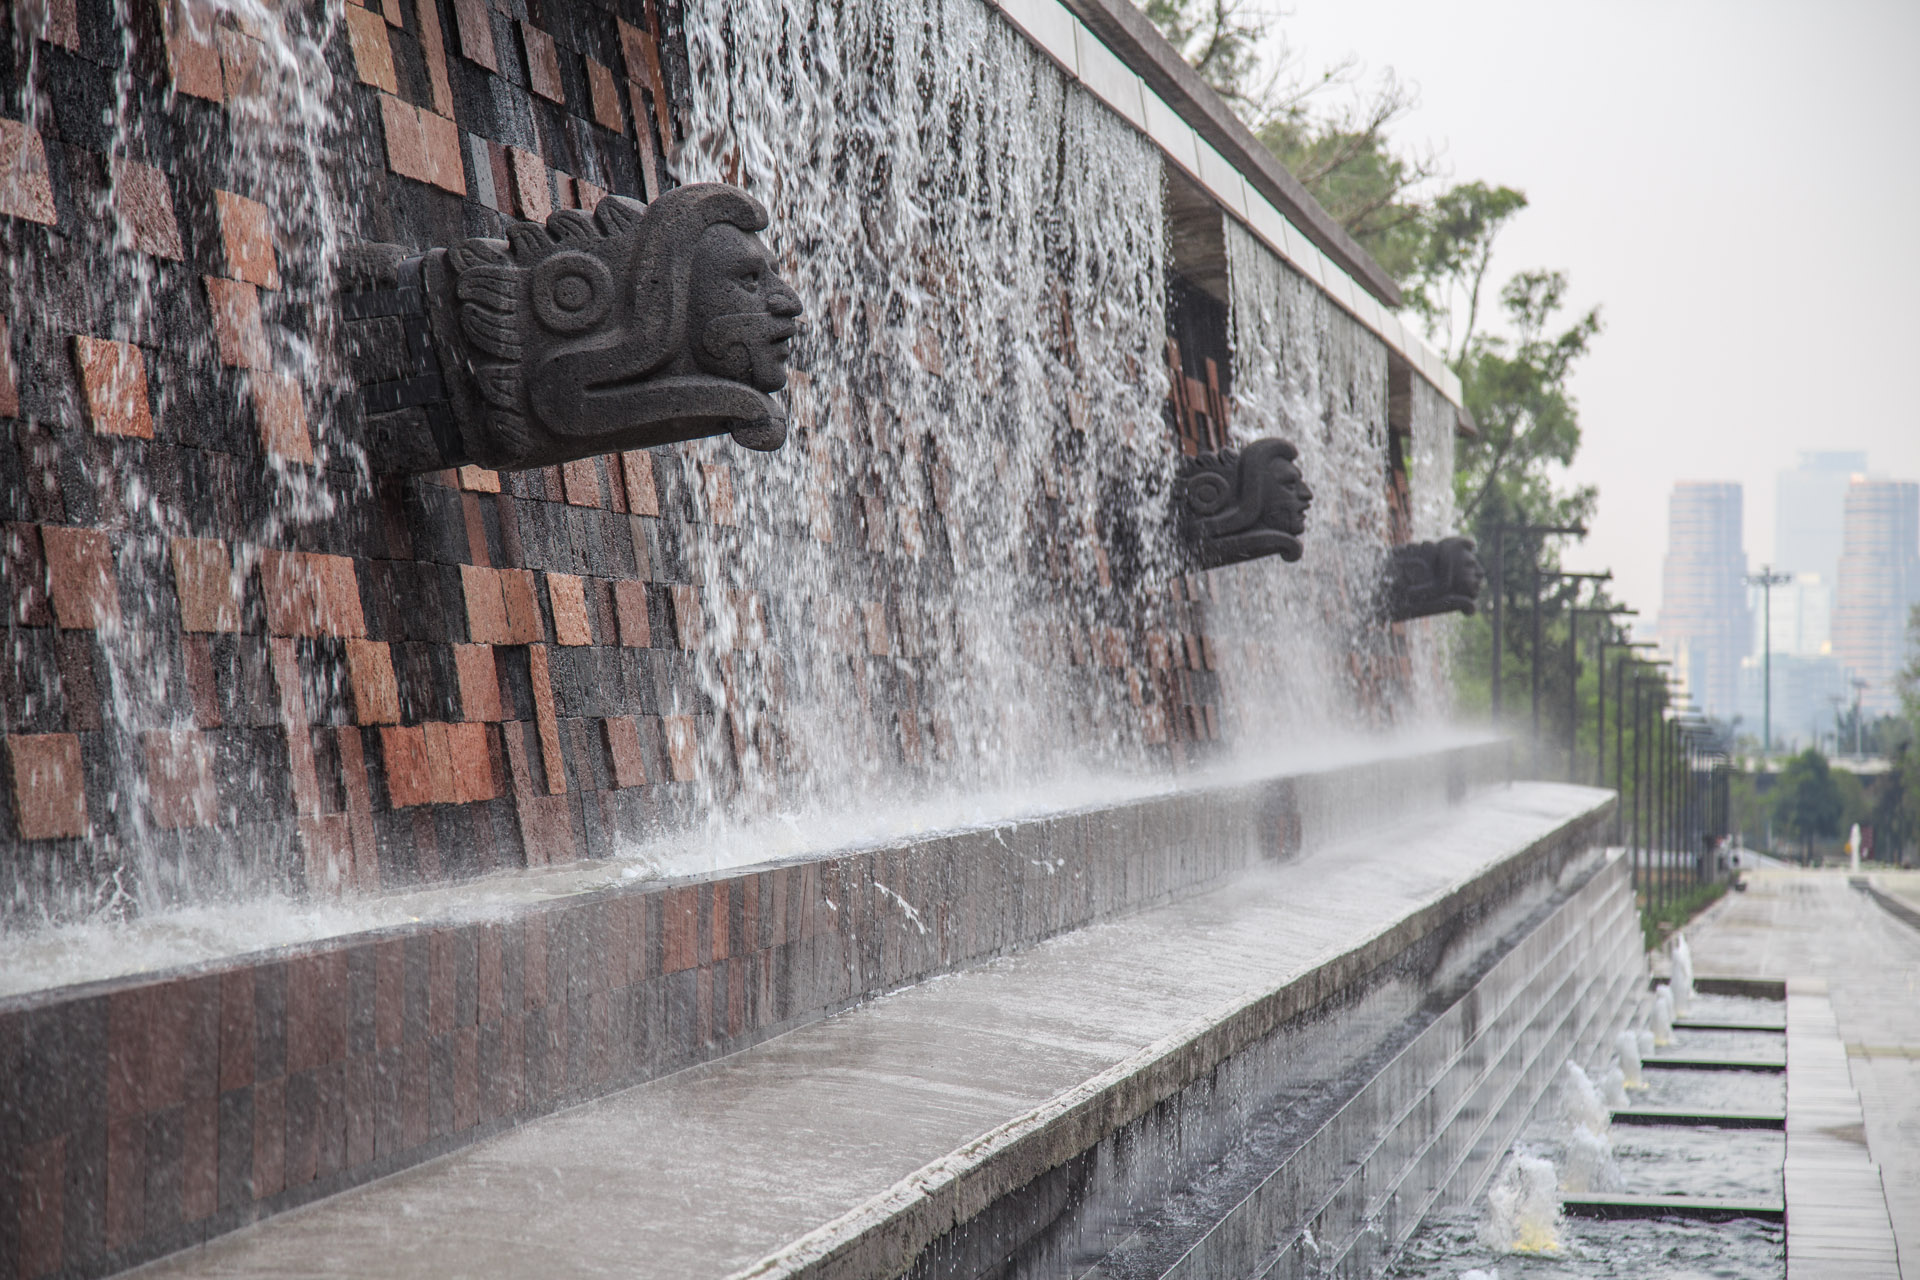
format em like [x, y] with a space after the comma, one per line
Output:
[1736, 184]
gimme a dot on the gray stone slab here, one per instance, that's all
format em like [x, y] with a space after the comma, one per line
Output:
[709, 1171]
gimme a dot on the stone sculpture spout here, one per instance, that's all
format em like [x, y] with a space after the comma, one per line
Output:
[1425, 578]
[1242, 504]
[640, 325]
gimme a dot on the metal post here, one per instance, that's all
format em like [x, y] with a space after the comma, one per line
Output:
[1533, 662]
[1499, 593]
[1619, 738]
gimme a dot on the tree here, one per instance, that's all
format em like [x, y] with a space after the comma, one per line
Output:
[1807, 801]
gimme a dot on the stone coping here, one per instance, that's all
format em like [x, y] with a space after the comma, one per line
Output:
[145, 1113]
[859, 1139]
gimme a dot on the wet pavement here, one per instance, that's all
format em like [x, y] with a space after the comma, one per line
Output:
[709, 1171]
[1816, 925]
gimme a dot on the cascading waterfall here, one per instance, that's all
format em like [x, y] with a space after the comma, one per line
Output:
[282, 145]
[981, 249]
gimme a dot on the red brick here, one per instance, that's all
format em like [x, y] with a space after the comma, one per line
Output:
[605, 91]
[353, 774]
[247, 233]
[439, 762]
[476, 33]
[144, 204]
[280, 413]
[547, 722]
[113, 378]
[309, 594]
[479, 480]
[243, 65]
[582, 480]
[570, 626]
[409, 775]
[389, 993]
[531, 197]
[650, 184]
[440, 143]
[522, 607]
[433, 47]
[630, 604]
[643, 498]
[406, 147]
[477, 552]
[479, 682]
[80, 569]
[716, 479]
[486, 609]
[237, 331]
[466, 1078]
[543, 64]
[9, 380]
[56, 22]
[623, 745]
[643, 66]
[196, 653]
[683, 747]
[468, 746]
[296, 724]
[203, 579]
[26, 190]
[680, 921]
[688, 627]
[590, 198]
[49, 787]
[376, 694]
[875, 616]
[180, 779]
[193, 56]
[720, 924]
[372, 54]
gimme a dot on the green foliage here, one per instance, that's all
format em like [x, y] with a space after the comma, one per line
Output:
[1807, 801]
[1658, 922]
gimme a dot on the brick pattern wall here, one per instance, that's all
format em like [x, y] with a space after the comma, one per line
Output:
[451, 673]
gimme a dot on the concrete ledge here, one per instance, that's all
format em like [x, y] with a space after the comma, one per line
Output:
[1897, 908]
[296, 1073]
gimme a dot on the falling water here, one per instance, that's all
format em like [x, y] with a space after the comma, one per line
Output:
[281, 146]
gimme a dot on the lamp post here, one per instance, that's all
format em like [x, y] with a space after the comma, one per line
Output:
[1643, 759]
[1767, 580]
[1619, 712]
[1500, 532]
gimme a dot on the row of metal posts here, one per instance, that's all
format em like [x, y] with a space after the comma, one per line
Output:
[1669, 814]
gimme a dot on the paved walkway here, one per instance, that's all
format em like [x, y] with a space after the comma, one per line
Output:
[1814, 924]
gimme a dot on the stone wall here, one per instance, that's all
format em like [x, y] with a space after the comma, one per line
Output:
[239, 661]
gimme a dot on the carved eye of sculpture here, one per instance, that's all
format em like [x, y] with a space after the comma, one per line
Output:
[1209, 493]
[572, 292]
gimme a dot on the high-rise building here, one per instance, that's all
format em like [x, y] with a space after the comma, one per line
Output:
[1704, 623]
[1878, 583]
[1806, 512]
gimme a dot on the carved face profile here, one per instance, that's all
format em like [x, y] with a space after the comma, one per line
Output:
[741, 316]
[636, 326]
[1242, 504]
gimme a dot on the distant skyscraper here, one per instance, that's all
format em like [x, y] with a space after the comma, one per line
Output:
[1879, 581]
[1806, 512]
[1704, 621]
